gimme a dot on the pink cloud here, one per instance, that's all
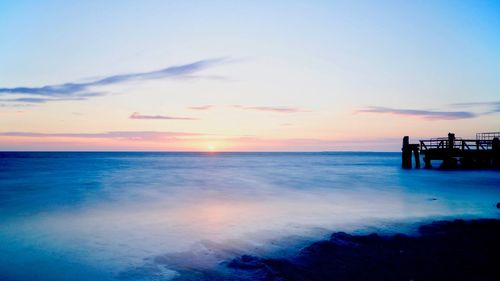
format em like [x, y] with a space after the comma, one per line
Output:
[137, 115]
[131, 135]
[269, 108]
[202, 107]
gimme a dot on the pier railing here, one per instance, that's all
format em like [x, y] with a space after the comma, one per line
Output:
[462, 144]
[487, 136]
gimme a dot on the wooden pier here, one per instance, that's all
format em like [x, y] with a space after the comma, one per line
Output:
[481, 152]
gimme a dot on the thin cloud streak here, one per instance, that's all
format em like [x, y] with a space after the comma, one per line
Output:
[250, 143]
[466, 104]
[493, 105]
[44, 100]
[131, 135]
[269, 108]
[15, 105]
[426, 114]
[202, 107]
[137, 115]
[82, 90]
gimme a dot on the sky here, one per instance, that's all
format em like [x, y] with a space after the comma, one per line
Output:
[245, 75]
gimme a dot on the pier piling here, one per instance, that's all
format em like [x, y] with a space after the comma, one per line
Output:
[408, 149]
[495, 147]
[416, 155]
[406, 161]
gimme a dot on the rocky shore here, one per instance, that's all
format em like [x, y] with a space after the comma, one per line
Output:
[443, 250]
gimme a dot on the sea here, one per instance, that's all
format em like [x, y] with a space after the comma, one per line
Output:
[159, 215]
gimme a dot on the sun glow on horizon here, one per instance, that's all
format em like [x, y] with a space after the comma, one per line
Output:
[211, 147]
[217, 145]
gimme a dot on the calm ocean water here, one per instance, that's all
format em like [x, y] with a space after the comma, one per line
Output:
[133, 216]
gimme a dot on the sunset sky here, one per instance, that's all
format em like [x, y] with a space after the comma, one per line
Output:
[245, 75]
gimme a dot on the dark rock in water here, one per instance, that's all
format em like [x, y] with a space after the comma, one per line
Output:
[342, 239]
[498, 205]
[246, 262]
[457, 250]
[342, 236]
[445, 250]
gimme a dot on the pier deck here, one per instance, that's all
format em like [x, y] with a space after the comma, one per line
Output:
[482, 152]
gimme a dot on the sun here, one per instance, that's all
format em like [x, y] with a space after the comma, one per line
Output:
[211, 147]
[214, 146]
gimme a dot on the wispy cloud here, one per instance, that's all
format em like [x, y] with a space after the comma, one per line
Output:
[485, 103]
[492, 106]
[202, 107]
[77, 97]
[426, 114]
[80, 91]
[269, 108]
[137, 115]
[15, 105]
[130, 135]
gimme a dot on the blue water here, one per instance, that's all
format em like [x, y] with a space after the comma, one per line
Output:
[106, 216]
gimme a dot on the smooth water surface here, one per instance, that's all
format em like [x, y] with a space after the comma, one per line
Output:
[106, 216]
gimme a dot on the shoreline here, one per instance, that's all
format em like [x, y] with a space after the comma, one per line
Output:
[442, 250]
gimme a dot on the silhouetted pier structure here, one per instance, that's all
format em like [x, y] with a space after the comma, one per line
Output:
[482, 152]
[408, 149]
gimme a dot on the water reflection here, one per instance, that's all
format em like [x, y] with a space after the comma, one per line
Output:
[111, 213]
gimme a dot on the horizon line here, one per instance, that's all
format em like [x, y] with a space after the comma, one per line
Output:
[195, 151]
